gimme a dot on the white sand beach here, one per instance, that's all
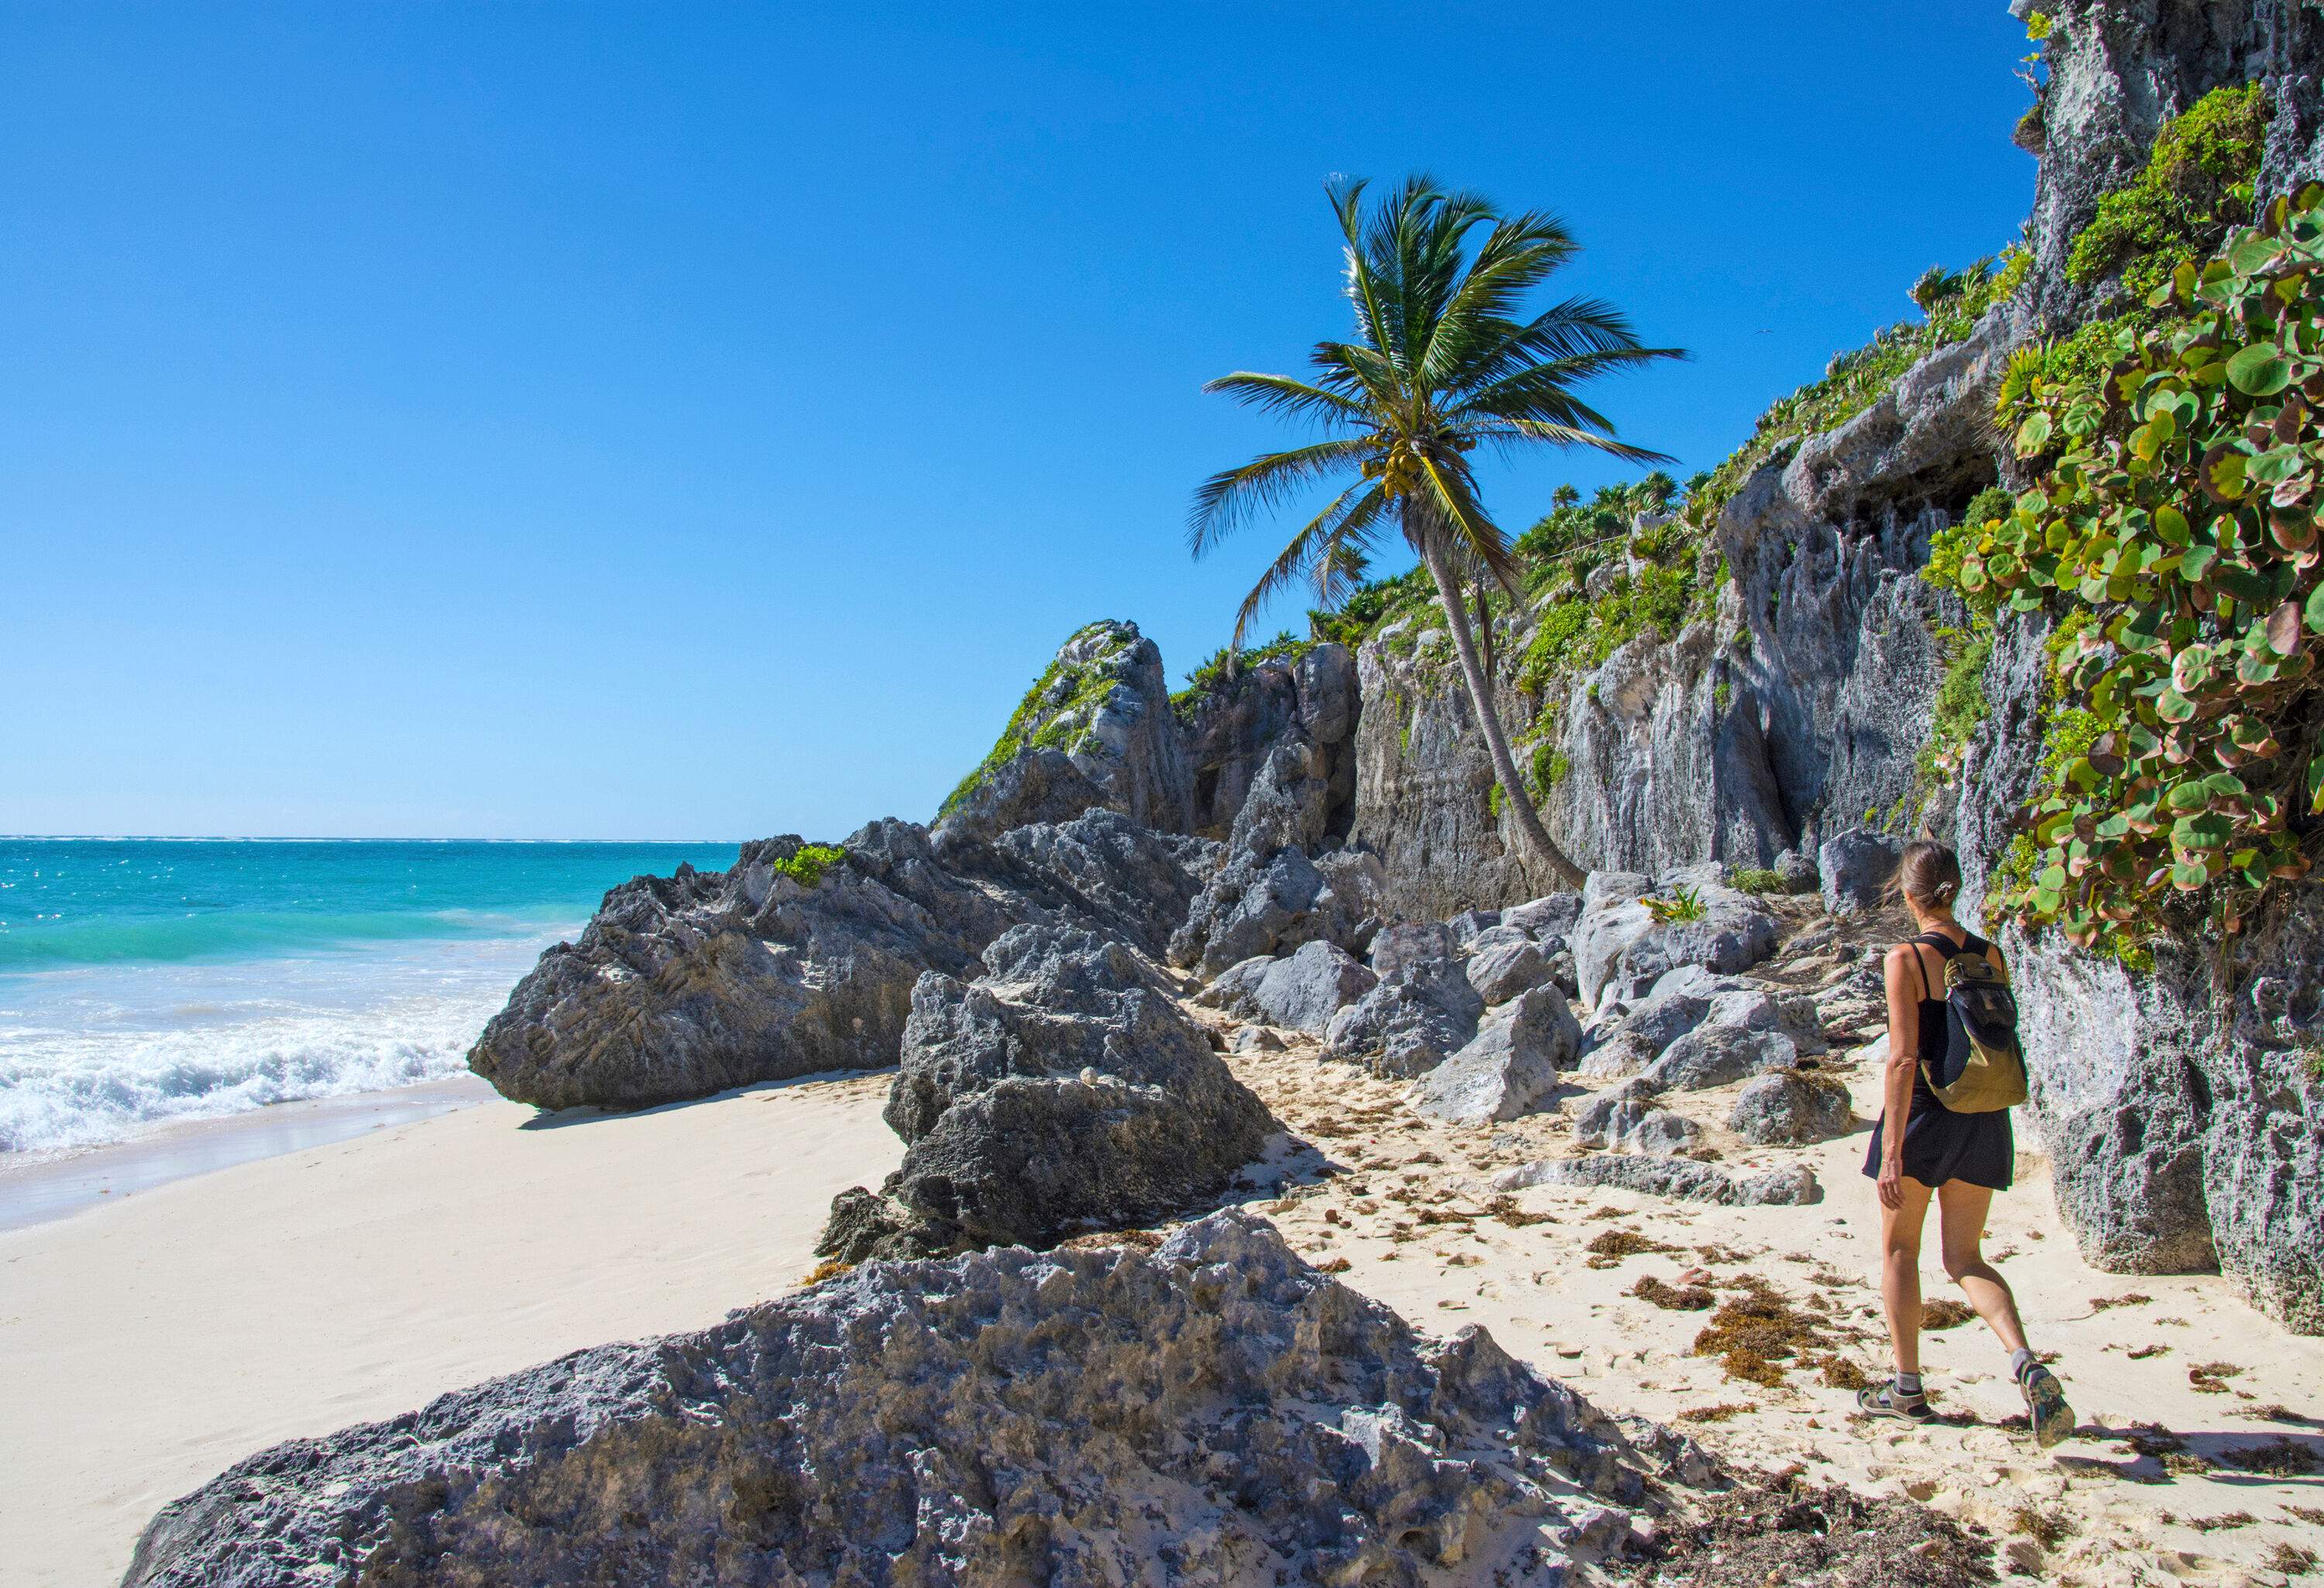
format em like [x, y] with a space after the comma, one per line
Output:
[146, 1345]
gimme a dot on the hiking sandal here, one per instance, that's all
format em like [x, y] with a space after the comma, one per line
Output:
[2046, 1411]
[1880, 1401]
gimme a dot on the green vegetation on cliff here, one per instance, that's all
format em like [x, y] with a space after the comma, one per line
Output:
[1056, 711]
[2170, 533]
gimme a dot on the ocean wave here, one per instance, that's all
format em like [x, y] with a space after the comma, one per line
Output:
[71, 1089]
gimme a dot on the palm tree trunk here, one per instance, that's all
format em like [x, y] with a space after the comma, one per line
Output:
[1538, 844]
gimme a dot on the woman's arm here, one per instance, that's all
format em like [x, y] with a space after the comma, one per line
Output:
[1896, 1079]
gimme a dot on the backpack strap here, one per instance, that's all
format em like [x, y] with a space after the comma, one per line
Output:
[1927, 995]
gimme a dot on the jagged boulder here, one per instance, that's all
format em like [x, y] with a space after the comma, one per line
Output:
[783, 966]
[1409, 1023]
[1624, 1119]
[1269, 897]
[1500, 970]
[1511, 1066]
[1622, 947]
[1791, 1108]
[1713, 1056]
[1856, 867]
[1689, 1179]
[1302, 991]
[1685, 1000]
[1064, 1090]
[1104, 706]
[1213, 1411]
[1552, 914]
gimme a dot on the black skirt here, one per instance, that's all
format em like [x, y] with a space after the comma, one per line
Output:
[1941, 1145]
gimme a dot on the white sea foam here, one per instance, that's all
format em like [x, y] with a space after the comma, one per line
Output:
[94, 1055]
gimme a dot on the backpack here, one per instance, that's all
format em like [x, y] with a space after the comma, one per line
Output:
[1984, 1066]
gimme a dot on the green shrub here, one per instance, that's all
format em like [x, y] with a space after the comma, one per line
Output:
[2174, 537]
[2198, 181]
[806, 865]
[1758, 879]
[1684, 904]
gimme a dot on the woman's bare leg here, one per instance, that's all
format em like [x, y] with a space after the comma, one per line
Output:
[1961, 1208]
[1900, 1273]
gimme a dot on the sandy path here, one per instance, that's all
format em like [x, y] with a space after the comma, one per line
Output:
[2109, 1515]
[145, 1346]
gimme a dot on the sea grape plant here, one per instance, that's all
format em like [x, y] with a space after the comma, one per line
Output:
[2172, 529]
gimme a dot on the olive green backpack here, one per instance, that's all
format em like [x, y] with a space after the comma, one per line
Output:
[1983, 1069]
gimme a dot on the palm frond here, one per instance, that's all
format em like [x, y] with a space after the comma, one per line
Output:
[1228, 498]
[1321, 552]
[1286, 394]
[1504, 435]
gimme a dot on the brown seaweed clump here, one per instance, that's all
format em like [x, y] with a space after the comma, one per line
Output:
[1783, 1530]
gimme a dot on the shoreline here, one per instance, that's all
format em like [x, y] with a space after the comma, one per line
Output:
[38, 1189]
[154, 1340]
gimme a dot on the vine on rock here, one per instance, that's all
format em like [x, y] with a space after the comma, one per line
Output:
[2173, 535]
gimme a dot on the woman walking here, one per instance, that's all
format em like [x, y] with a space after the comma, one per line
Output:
[1922, 1149]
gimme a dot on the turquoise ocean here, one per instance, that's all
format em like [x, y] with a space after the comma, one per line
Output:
[147, 980]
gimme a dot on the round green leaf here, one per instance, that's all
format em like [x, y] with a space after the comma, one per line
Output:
[2259, 370]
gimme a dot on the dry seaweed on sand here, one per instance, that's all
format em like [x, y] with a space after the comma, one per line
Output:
[1718, 1413]
[1945, 1315]
[1673, 1298]
[2046, 1527]
[2278, 1458]
[1612, 1246]
[2293, 1560]
[1504, 1208]
[2222, 1522]
[2099, 1304]
[2313, 1515]
[1758, 1333]
[1802, 1537]
[2210, 1377]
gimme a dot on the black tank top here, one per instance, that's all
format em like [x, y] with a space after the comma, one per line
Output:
[1932, 1033]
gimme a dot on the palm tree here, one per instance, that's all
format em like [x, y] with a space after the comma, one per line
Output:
[1442, 363]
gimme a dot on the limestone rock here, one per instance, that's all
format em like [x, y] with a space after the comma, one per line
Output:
[1793, 1109]
[687, 985]
[1213, 1411]
[1502, 971]
[1713, 1056]
[1302, 990]
[1103, 705]
[1255, 1039]
[1620, 948]
[1550, 916]
[1270, 897]
[1064, 1090]
[1684, 1177]
[1510, 1068]
[1233, 724]
[1856, 867]
[1409, 1023]
[1398, 948]
[1623, 1120]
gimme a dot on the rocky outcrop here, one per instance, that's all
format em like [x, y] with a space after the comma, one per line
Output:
[1624, 1119]
[1103, 705]
[1791, 1109]
[687, 985]
[1302, 991]
[1270, 896]
[1686, 1178]
[1233, 725]
[1212, 1411]
[1410, 1024]
[1623, 945]
[1062, 1091]
[1511, 1067]
[1855, 868]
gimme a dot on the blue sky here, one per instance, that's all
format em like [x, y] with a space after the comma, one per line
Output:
[576, 420]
